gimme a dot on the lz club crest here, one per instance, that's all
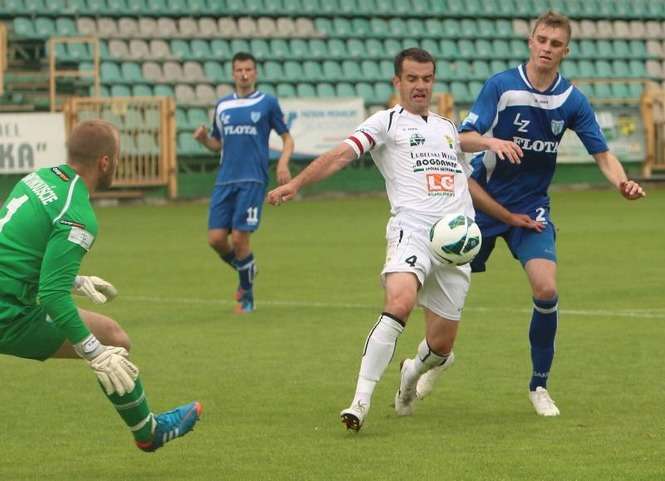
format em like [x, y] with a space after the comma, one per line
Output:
[557, 126]
[255, 116]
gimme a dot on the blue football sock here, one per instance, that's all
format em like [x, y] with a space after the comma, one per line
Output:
[541, 335]
[229, 258]
[246, 269]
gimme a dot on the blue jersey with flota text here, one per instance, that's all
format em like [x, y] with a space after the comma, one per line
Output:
[509, 108]
[243, 125]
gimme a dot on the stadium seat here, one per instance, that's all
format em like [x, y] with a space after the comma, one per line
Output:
[205, 94]
[207, 27]
[635, 90]
[587, 29]
[238, 45]
[336, 48]
[602, 90]
[433, 27]
[621, 28]
[370, 70]
[162, 90]
[441, 87]
[79, 51]
[95, 6]
[265, 88]
[603, 69]
[312, 72]
[392, 46]
[604, 29]
[619, 90]
[621, 48]
[325, 90]
[397, 27]
[131, 72]
[223, 90]
[220, 49]
[449, 49]
[342, 27]
[586, 49]
[654, 69]
[636, 69]
[332, 71]
[159, 50]
[484, 49]
[141, 90]
[227, 27]
[44, 27]
[460, 92]
[214, 71]
[200, 50]
[586, 69]
[293, 71]
[654, 29]
[366, 92]
[360, 26]
[66, 27]
[351, 70]
[521, 27]
[387, 69]
[247, 27]
[285, 90]
[180, 49]
[497, 66]
[469, 29]
[466, 49]
[156, 7]
[383, 92]
[172, 72]
[483, 27]
[193, 72]
[569, 69]
[500, 49]
[110, 73]
[118, 49]
[637, 49]
[480, 69]
[519, 49]
[345, 89]
[298, 48]
[127, 27]
[450, 28]
[152, 72]
[305, 90]
[305, 28]
[374, 48]
[197, 7]
[474, 89]
[188, 146]
[431, 45]
[188, 27]
[355, 48]
[279, 49]
[311, 8]
[379, 28]
[138, 49]
[184, 94]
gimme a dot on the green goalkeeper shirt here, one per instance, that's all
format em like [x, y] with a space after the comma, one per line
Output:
[46, 226]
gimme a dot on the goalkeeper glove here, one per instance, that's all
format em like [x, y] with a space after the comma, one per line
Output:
[95, 288]
[115, 372]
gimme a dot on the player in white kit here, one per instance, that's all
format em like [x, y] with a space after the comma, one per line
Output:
[417, 152]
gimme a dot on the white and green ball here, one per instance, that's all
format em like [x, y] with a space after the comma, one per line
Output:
[455, 239]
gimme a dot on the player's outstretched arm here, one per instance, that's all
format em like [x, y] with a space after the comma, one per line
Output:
[283, 173]
[320, 168]
[94, 288]
[505, 149]
[613, 171]
[483, 201]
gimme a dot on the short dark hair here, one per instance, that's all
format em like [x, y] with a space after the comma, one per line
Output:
[241, 57]
[417, 54]
[90, 140]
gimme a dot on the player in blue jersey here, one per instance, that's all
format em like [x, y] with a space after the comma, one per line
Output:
[240, 131]
[524, 113]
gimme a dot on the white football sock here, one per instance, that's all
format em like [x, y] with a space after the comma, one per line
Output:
[379, 350]
[425, 360]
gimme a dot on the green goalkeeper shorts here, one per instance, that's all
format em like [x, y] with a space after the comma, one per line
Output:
[29, 333]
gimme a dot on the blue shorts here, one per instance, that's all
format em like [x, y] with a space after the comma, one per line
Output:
[236, 206]
[524, 244]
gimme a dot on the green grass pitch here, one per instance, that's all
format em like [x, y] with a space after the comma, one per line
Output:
[272, 383]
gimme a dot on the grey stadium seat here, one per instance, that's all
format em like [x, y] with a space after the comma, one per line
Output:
[106, 27]
[227, 27]
[205, 94]
[208, 27]
[160, 50]
[188, 27]
[128, 27]
[118, 49]
[286, 27]
[184, 94]
[247, 27]
[148, 27]
[86, 26]
[267, 28]
[138, 49]
[173, 72]
[167, 27]
[193, 72]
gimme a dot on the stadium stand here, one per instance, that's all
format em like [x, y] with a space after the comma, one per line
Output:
[182, 48]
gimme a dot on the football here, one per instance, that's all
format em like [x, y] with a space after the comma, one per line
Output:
[455, 239]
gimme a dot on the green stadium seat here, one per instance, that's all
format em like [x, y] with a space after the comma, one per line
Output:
[366, 92]
[360, 26]
[374, 48]
[481, 69]
[324, 26]
[325, 90]
[312, 71]
[345, 89]
[370, 70]
[273, 7]
[293, 7]
[181, 120]
[79, 51]
[619, 90]
[451, 28]
[635, 90]
[118, 90]
[620, 49]
[147, 143]
[569, 69]
[44, 27]
[95, 7]
[157, 8]
[131, 72]
[449, 49]
[410, 43]
[305, 90]
[440, 88]
[272, 71]
[279, 49]
[12, 7]
[602, 90]
[61, 53]
[469, 29]
[355, 48]
[379, 28]
[485, 28]
[298, 48]
[603, 69]
[310, 8]
[197, 117]
[519, 49]
[433, 27]
[332, 71]
[285, 90]
[460, 92]
[585, 68]
[200, 50]
[501, 49]
[337, 48]
[636, 69]
[587, 49]
[460, 70]
[474, 89]
[422, 9]
[318, 49]
[141, 90]
[220, 49]
[293, 71]
[342, 27]
[383, 91]
[238, 45]
[246, 7]
[66, 27]
[392, 47]
[466, 49]
[416, 27]
[351, 70]
[162, 90]
[638, 49]
[194, 7]
[387, 68]
[215, 72]
[463, 8]
[431, 45]
[180, 49]
[116, 7]
[497, 66]
[484, 48]
[604, 49]
[110, 73]
[188, 146]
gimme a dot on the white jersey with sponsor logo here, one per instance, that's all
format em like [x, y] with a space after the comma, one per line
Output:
[420, 160]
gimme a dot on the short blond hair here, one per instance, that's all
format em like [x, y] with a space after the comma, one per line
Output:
[90, 140]
[554, 20]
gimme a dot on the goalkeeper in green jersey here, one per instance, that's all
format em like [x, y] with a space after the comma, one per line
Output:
[46, 227]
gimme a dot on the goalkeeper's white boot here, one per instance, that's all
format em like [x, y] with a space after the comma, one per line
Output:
[406, 394]
[354, 416]
[428, 380]
[542, 402]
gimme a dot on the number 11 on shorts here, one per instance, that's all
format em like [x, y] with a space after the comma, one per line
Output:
[253, 215]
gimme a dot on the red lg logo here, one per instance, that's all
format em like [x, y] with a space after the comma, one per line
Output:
[441, 182]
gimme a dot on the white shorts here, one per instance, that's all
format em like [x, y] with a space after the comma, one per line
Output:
[443, 287]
